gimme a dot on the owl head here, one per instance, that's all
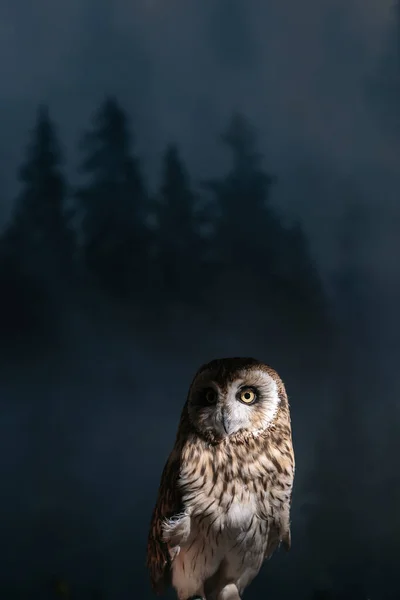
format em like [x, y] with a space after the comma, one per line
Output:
[232, 395]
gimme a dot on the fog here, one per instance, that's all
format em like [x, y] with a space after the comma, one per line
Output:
[90, 401]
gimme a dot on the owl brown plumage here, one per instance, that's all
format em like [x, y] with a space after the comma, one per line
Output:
[224, 499]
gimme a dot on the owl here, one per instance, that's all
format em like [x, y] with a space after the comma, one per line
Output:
[224, 499]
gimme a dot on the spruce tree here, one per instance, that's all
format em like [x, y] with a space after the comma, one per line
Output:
[180, 247]
[247, 223]
[253, 245]
[38, 235]
[37, 246]
[300, 285]
[112, 204]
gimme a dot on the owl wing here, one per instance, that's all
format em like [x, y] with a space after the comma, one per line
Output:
[169, 504]
[279, 531]
[279, 523]
[286, 538]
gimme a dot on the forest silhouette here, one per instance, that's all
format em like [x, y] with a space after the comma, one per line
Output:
[170, 269]
[151, 252]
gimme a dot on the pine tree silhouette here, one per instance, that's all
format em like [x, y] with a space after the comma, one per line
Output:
[37, 246]
[112, 205]
[247, 224]
[252, 244]
[301, 288]
[38, 235]
[180, 247]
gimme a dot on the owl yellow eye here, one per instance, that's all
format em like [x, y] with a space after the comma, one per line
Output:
[210, 396]
[247, 396]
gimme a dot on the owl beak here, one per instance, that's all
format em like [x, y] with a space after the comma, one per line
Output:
[225, 426]
[225, 422]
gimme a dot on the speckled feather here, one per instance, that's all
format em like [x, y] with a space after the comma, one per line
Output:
[209, 482]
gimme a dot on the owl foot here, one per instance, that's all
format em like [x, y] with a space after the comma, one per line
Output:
[229, 592]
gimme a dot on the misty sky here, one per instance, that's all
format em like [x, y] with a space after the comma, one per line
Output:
[181, 66]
